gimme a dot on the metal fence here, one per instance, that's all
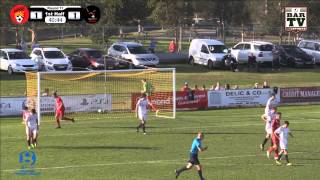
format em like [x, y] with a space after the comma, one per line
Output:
[101, 34]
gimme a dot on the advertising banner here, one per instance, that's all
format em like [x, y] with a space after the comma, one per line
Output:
[184, 100]
[79, 103]
[300, 95]
[239, 98]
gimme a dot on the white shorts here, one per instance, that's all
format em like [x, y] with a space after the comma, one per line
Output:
[283, 145]
[31, 130]
[269, 130]
[142, 117]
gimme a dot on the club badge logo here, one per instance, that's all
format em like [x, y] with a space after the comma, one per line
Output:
[19, 14]
[91, 14]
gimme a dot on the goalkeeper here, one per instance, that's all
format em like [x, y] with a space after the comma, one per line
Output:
[148, 90]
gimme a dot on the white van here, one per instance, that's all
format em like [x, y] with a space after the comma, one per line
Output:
[312, 48]
[207, 52]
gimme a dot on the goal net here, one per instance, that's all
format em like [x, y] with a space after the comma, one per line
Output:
[101, 94]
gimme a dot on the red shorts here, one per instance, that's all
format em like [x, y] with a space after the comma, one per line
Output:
[59, 113]
[275, 140]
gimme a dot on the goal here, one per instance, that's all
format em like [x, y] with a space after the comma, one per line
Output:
[101, 94]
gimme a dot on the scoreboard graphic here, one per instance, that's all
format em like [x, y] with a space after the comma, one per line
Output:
[21, 14]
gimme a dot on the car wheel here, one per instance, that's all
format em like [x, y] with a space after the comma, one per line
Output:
[210, 65]
[191, 61]
[10, 70]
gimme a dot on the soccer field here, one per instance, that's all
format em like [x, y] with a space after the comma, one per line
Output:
[111, 149]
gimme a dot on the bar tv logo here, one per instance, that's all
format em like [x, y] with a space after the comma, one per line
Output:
[296, 18]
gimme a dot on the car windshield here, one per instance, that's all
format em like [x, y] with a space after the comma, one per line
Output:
[293, 50]
[53, 54]
[18, 55]
[266, 47]
[137, 50]
[218, 48]
[95, 54]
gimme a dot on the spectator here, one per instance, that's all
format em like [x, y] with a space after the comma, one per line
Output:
[256, 86]
[218, 88]
[46, 92]
[236, 87]
[23, 46]
[186, 87]
[265, 85]
[227, 86]
[252, 62]
[203, 88]
[212, 87]
[153, 44]
[195, 88]
[172, 46]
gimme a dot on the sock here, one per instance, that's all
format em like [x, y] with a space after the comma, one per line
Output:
[143, 128]
[138, 127]
[279, 157]
[28, 142]
[184, 168]
[287, 158]
[200, 175]
[264, 141]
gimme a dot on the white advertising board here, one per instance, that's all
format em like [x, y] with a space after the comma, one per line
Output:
[78, 103]
[240, 97]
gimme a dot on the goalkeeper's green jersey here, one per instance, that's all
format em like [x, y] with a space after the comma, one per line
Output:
[147, 88]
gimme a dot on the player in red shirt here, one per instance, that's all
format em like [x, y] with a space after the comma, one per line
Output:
[60, 110]
[275, 124]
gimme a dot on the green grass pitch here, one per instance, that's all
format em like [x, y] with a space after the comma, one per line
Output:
[111, 149]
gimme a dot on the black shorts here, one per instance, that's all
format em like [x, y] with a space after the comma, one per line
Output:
[194, 159]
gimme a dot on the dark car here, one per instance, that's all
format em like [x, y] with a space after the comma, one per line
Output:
[293, 56]
[87, 58]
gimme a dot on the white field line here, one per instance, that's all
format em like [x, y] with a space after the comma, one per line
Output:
[142, 162]
[160, 130]
[92, 120]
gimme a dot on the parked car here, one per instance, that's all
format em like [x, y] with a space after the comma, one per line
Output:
[312, 48]
[262, 51]
[207, 52]
[51, 59]
[134, 53]
[293, 56]
[87, 58]
[15, 60]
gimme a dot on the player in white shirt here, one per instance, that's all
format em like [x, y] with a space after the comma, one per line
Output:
[283, 133]
[268, 120]
[32, 128]
[141, 112]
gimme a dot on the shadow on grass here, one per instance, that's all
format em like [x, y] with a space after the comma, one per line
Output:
[209, 133]
[101, 147]
[123, 127]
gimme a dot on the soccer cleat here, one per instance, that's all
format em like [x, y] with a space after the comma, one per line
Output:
[278, 162]
[144, 133]
[29, 147]
[58, 127]
[177, 174]
[261, 147]
[157, 111]
[32, 146]
[289, 164]
[137, 130]
[73, 120]
[268, 154]
[35, 144]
